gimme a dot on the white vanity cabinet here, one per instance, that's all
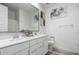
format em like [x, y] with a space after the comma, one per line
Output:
[36, 46]
[23, 52]
[3, 18]
[33, 46]
[39, 46]
[21, 48]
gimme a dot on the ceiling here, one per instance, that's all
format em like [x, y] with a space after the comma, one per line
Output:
[46, 5]
[25, 6]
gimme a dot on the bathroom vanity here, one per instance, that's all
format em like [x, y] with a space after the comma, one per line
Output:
[19, 17]
[36, 45]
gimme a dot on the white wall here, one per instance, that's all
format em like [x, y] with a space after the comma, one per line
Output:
[24, 19]
[65, 37]
[11, 14]
[12, 21]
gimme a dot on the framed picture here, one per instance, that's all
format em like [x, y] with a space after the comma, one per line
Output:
[58, 12]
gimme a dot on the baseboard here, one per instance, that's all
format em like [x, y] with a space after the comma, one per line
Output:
[66, 52]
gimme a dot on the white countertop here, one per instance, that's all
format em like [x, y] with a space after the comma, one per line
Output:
[8, 42]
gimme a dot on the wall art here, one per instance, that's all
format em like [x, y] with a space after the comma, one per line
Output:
[58, 12]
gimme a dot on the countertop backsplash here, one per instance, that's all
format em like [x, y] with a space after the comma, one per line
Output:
[9, 35]
[5, 35]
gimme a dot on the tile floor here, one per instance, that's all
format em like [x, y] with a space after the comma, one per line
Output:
[56, 52]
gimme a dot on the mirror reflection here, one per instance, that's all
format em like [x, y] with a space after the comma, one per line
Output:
[21, 17]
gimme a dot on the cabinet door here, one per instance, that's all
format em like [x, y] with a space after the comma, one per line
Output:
[45, 46]
[22, 52]
[15, 48]
[36, 49]
[3, 18]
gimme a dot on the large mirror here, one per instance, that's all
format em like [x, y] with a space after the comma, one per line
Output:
[22, 16]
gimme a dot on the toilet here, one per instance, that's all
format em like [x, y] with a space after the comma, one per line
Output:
[51, 43]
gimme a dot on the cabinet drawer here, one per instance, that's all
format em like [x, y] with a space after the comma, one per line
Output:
[12, 49]
[35, 41]
[22, 52]
[36, 48]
